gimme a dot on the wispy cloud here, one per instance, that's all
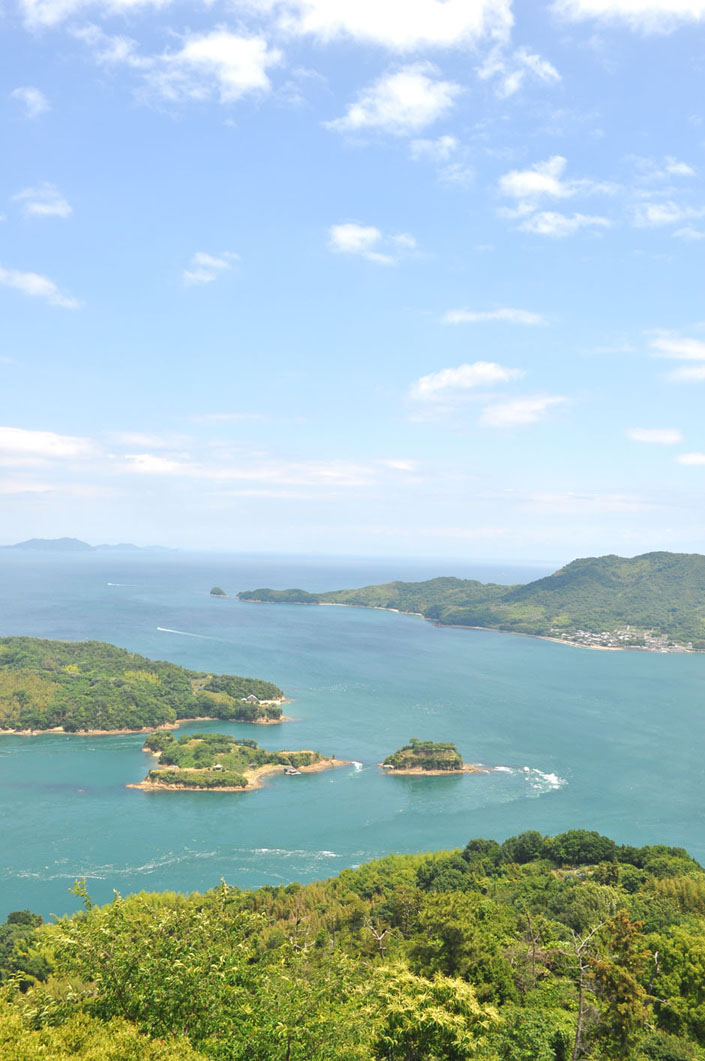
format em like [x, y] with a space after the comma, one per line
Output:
[401, 103]
[655, 214]
[692, 460]
[519, 411]
[593, 503]
[32, 100]
[514, 316]
[450, 383]
[510, 71]
[225, 418]
[204, 268]
[662, 436]
[369, 242]
[38, 286]
[43, 201]
[20, 442]
[447, 155]
[557, 225]
[647, 16]
[680, 347]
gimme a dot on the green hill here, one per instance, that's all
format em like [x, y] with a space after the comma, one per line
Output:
[537, 949]
[90, 685]
[658, 595]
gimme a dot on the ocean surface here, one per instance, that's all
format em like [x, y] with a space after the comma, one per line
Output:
[611, 741]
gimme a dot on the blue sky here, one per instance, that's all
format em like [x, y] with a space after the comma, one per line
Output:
[354, 276]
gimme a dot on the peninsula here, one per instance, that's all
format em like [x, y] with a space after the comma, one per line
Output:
[429, 758]
[654, 602]
[91, 687]
[202, 762]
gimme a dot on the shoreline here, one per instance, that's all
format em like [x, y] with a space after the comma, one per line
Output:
[418, 771]
[255, 779]
[143, 729]
[678, 651]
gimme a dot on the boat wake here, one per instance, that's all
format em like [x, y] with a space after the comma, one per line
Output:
[538, 780]
[187, 633]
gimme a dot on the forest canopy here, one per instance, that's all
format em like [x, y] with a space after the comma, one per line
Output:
[91, 685]
[541, 948]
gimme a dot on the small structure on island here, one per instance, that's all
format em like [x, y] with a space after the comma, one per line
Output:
[427, 757]
[217, 766]
[251, 699]
[291, 771]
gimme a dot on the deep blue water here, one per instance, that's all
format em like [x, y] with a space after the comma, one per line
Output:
[600, 740]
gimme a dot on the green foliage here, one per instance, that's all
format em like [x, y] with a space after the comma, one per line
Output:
[425, 755]
[85, 685]
[660, 592]
[216, 591]
[215, 760]
[493, 952]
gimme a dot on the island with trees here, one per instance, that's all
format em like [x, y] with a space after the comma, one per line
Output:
[539, 948]
[654, 602]
[93, 687]
[216, 591]
[200, 762]
[428, 757]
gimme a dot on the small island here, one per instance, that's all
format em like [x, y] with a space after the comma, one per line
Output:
[92, 688]
[202, 762]
[216, 591]
[430, 758]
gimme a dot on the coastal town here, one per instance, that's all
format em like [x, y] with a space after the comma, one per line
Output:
[625, 637]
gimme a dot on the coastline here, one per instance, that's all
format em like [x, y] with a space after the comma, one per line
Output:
[255, 779]
[678, 651]
[143, 729]
[417, 771]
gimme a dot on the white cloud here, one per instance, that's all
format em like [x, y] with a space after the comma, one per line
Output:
[678, 347]
[52, 12]
[674, 168]
[551, 223]
[219, 63]
[514, 316]
[689, 234]
[518, 411]
[546, 180]
[688, 374]
[439, 150]
[149, 464]
[43, 201]
[399, 25]
[446, 154]
[513, 70]
[32, 99]
[109, 49]
[401, 103]
[204, 268]
[662, 436]
[369, 242]
[570, 502]
[691, 459]
[454, 382]
[653, 214]
[17, 441]
[37, 285]
[649, 16]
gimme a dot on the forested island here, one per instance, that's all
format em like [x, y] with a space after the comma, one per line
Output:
[214, 761]
[93, 687]
[427, 757]
[536, 949]
[655, 601]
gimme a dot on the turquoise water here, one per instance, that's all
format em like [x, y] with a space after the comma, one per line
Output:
[600, 740]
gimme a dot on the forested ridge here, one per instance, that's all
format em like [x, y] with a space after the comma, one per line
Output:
[538, 949]
[661, 592]
[91, 685]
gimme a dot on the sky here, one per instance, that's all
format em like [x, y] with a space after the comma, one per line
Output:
[372, 277]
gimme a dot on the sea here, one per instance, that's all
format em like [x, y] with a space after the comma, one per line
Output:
[611, 741]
